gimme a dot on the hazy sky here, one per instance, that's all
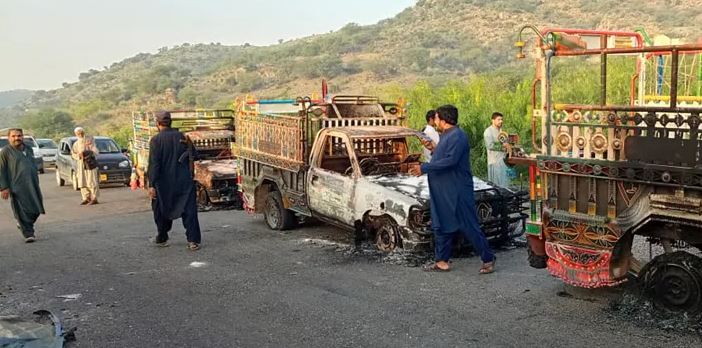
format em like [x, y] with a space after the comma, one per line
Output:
[44, 43]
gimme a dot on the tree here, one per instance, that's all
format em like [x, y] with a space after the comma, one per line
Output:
[49, 123]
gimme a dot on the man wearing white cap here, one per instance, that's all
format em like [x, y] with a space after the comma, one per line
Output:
[85, 153]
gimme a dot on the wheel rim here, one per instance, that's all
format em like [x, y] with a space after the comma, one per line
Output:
[272, 213]
[385, 238]
[675, 288]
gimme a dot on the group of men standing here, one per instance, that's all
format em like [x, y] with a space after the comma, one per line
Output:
[453, 210]
[172, 189]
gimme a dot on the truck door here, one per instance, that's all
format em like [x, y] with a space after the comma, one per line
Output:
[331, 180]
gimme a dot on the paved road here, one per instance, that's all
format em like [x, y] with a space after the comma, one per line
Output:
[256, 287]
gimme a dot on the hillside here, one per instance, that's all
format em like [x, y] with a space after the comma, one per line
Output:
[435, 40]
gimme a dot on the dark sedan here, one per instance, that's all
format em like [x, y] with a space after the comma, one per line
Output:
[114, 166]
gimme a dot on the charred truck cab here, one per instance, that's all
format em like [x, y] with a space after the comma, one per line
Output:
[346, 162]
[212, 135]
[606, 172]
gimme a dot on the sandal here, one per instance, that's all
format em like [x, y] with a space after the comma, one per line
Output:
[193, 246]
[435, 268]
[488, 267]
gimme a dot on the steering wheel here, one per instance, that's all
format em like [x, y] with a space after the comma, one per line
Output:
[368, 166]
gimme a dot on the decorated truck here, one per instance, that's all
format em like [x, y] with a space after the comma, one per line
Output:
[626, 167]
[346, 161]
[212, 135]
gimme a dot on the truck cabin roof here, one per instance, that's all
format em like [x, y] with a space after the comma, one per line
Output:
[373, 132]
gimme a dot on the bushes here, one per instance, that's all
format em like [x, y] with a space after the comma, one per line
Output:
[49, 123]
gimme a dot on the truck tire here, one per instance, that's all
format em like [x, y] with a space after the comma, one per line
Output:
[673, 282]
[387, 238]
[536, 261]
[277, 217]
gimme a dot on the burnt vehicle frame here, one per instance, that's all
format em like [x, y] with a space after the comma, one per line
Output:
[368, 190]
[212, 135]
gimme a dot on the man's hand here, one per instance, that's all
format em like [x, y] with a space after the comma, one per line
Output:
[152, 193]
[415, 171]
[5, 194]
[428, 144]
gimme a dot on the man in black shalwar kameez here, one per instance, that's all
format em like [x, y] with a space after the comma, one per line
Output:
[19, 182]
[172, 188]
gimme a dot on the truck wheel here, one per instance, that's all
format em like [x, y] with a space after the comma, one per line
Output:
[59, 181]
[277, 217]
[674, 282]
[536, 261]
[387, 238]
[74, 181]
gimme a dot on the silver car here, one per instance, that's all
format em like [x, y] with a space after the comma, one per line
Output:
[48, 150]
[28, 141]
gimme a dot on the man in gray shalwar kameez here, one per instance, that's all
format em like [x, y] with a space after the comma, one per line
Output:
[497, 169]
[19, 182]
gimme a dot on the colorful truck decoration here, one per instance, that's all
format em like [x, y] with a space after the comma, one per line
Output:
[603, 173]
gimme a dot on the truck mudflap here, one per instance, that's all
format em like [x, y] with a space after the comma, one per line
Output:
[581, 267]
[579, 248]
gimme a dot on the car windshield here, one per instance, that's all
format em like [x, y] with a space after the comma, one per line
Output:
[30, 142]
[106, 146]
[46, 144]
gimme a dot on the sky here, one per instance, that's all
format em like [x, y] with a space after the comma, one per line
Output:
[44, 43]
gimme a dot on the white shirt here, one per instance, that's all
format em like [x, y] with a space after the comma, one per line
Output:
[434, 136]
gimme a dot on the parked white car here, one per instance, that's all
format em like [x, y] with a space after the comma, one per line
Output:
[48, 150]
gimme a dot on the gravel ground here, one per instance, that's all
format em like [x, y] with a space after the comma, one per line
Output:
[250, 286]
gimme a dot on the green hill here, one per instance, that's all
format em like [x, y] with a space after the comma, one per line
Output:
[435, 41]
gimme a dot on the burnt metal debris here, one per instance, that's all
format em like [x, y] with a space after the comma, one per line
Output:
[42, 331]
[602, 173]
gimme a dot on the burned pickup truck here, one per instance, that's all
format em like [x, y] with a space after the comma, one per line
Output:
[212, 135]
[347, 162]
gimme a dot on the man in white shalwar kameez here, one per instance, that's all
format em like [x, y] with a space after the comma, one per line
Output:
[87, 179]
[497, 168]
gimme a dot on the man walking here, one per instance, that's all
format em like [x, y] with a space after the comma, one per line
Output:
[84, 152]
[452, 202]
[497, 169]
[172, 188]
[19, 182]
[431, 133]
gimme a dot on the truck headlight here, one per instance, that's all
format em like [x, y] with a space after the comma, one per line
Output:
[419, 217]
[125, 164]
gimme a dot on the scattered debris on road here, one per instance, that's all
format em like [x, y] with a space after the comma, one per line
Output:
[42, 331]
[71, 297]
[636, 308]
[197, 264]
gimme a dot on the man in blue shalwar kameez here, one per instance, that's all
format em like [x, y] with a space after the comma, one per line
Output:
[453, 208]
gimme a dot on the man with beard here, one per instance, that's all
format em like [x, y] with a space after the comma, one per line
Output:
[172, 188]
[84, 151]
[19, 182]
[452, 200]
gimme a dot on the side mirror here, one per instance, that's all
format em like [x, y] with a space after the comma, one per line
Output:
[125, 151]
